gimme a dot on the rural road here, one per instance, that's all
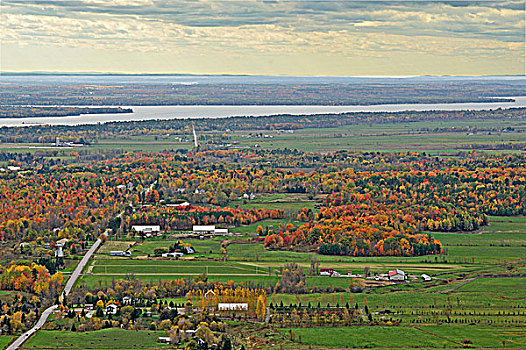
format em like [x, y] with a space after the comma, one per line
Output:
[69, 285]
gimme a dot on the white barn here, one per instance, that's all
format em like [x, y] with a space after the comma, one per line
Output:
[232, 306]
[221, 231]
[204, 229]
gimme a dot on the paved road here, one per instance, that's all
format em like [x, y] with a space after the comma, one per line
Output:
[69, 285]
[78, 270]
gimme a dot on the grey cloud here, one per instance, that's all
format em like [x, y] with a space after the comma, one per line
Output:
[503, 21]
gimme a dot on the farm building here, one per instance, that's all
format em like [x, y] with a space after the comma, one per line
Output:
[148, 230]
[326, 272]
[232, 306]
[172, 255]
[184, 204]
[425, 277]
[204, 229]
[209, 229]
[221, 231]
[120, 253]
[397, 275]
[59, 253]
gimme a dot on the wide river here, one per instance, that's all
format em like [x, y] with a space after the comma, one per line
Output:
[181, 112]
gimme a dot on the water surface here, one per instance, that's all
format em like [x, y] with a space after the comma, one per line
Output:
[182, 112]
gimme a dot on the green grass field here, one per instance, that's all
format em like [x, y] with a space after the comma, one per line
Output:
[502, 241]
[104, 339]
[405, 337]
[416, 136]
[494, 305]
[4, 340]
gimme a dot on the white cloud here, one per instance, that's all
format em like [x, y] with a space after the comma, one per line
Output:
[259, 30]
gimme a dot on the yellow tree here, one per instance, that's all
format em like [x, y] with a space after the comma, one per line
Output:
[261, 307]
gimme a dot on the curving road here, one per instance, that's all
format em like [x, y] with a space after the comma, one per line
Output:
[69, 285]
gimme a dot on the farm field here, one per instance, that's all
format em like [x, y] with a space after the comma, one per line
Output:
[4, 340]
[416, 136]
[250, 262]
[455, 216]
[262, 175]
[433, 137]
[103, 339]
[406, 338]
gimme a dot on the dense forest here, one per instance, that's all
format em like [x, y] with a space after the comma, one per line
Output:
[135, 93]
[55, 111]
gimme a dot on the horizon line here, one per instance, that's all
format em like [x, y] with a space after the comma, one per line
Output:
[256, 75]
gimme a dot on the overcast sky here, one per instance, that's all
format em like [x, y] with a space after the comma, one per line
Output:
[264, 37]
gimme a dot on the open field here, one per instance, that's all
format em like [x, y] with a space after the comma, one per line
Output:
[428, 136]
[441, 309]
[4, 340]
[109, 246]
[503, 240]
[103, 339]
[405, 337]
[291, 201]
[425, 136]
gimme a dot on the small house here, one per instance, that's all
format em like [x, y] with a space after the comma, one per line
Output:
[126, 300]
[397, 275]
[164, 340]
[62, 242]
[111, 309]
[88, 306]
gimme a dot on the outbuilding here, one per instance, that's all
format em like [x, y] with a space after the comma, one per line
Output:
[232, 306]
[425, 277]
[147, 229]
[397, 275]
[203, 229]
